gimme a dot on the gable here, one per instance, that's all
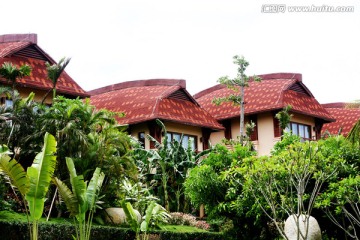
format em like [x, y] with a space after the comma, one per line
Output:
[22, 49]
[31, 52]
[300, 88]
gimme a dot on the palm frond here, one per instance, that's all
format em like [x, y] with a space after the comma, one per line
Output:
[54, 71]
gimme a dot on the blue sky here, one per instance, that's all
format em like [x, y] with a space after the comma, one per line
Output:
[116, 41]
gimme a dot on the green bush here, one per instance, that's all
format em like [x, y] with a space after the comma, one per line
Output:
[18, 230]
[190, 236]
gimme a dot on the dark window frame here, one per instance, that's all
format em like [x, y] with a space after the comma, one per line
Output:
[195, 147]
[298, 130]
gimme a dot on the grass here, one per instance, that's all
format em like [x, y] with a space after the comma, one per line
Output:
[181, 228]
[14, 216]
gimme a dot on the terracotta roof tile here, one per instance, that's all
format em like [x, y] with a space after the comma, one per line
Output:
[141, 102]
[305, 105]
[345, 119]
[272, 93]
[38, 78]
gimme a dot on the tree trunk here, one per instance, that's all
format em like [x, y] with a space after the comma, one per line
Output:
[242, 113]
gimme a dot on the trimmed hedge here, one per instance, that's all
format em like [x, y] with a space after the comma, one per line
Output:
[15, 230]
[190, 236]
[56, 231]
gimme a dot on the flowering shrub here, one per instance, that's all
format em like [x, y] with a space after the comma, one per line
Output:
[202, 224]
[178, 218]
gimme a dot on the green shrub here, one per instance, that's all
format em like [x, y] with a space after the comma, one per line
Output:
[191, 236]
[18, 230]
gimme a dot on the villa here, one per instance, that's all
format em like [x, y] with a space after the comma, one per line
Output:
[22, 49]
[263, 100]
[144, 101]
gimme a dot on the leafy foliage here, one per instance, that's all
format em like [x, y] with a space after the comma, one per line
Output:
[166, 167]
[284, 117]
[33, 185]
[12, 72]
[17, 123]
[92, 139]
[81, 200]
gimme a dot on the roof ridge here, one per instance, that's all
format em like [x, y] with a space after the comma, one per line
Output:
[27, 37]
[281, 75]
[139, 83]
[209, 90]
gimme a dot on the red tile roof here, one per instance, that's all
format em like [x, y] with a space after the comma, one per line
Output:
[145, 100]
[345, 118]
[274, 92]
[22, 49]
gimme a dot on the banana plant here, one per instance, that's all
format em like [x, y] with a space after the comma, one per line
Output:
[154, 216]
[81, 199]
[34, 183]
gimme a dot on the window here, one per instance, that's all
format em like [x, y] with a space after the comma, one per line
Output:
[186, 139]
[141, 138]
[5, 101]
[301, 130]
[8, 103]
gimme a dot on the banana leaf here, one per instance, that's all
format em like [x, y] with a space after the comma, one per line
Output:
[78, 188]
[68, 197]
[40, 174]
[94, 188]
[14, 173]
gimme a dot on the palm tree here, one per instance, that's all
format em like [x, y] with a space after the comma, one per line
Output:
[53, 73]
[91, 138]
[12, 73]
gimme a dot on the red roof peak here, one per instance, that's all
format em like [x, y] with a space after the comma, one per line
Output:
[29, 37]
[334, 105]
[139, 83]
[271, 76]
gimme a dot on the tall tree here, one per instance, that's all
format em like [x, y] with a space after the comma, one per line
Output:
[53, 73]
[12, 73]
[238, 85]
